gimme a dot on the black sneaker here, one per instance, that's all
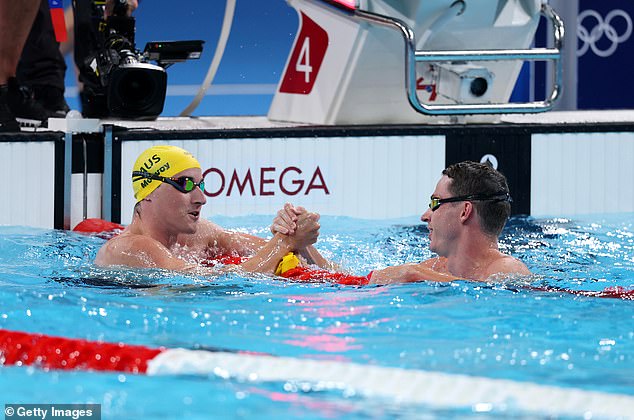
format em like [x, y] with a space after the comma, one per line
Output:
[8, 124]
[26, 109]
[52, 99]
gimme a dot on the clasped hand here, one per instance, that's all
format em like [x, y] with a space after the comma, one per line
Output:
[300, 225]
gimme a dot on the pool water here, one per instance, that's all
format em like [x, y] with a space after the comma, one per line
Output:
[49, 285]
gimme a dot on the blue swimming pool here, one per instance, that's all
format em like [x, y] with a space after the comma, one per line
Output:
[510, 331]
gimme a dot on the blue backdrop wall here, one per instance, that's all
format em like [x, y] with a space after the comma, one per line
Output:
[605, 50]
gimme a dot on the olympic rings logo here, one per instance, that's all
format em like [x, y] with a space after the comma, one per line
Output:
[602, 28]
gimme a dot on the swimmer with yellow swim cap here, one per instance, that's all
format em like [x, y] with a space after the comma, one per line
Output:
[157, 162]
[166, 229]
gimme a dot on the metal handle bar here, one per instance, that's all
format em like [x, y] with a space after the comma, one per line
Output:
[538, 54]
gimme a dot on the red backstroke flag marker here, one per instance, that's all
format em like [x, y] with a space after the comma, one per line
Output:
[57, 16]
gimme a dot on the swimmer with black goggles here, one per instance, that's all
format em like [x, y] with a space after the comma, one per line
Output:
[435, 202]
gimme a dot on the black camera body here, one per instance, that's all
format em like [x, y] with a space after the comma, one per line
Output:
[135, 88]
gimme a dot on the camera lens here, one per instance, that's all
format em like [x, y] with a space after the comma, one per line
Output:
[137, 87]
[479, 86]
[137, 91]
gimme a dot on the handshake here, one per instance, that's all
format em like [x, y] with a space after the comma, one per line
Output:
[298, 226]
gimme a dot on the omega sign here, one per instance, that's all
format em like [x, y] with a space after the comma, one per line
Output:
[264, 182]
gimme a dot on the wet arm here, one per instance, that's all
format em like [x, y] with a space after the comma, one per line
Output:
[227, 242]
[269, 256]
[241, 243]
[408, 273]
[313, 256]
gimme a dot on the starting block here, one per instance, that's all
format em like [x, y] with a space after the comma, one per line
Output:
[396, 61]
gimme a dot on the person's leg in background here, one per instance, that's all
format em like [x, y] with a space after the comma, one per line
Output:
[42, 68]
[40, 73]
[16, 20]
[87, 42]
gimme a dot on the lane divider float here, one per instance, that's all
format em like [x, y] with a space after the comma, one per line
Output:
[408, 386]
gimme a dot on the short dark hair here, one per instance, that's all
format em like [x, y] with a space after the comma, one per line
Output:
[471, 178]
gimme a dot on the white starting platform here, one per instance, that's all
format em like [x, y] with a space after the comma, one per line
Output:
[376, 99]
[396, 61]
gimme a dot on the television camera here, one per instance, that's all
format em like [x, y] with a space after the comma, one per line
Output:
[135, 88]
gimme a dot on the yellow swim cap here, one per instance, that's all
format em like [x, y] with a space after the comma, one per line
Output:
[165, 161]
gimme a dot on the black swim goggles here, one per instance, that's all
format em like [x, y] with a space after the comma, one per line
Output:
[435, 202]
[184, 184]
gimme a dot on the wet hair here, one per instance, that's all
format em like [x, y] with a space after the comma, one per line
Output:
[472, 178]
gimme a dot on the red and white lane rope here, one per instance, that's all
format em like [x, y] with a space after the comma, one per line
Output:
[48, 352]
[438, 390]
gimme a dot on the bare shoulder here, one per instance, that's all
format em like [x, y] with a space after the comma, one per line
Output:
[437, 264]
[507, 265]
[232, 242]
[136, 251]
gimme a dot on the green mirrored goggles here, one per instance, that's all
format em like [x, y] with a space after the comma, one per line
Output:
[184, 184]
